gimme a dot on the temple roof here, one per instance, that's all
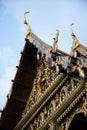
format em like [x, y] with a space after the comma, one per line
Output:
[27, 71]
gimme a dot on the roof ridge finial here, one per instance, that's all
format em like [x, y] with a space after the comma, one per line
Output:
[27, 24]
[75, 39]
[55, 45]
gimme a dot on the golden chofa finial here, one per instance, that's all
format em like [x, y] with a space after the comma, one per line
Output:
[75, 40]
[27, 24]
[55, 45]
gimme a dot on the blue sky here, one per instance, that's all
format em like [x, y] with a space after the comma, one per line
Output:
[45, 17]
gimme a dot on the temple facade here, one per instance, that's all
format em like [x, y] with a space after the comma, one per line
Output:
[49, 90]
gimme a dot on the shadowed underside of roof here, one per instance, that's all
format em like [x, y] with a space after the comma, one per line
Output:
[21, 87]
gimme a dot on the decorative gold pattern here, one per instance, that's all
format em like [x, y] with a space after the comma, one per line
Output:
[81, 108]
[45, 77]
[67, 88]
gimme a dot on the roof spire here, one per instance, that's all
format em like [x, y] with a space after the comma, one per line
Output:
[75, 40]
[55, 45]
[27, 24]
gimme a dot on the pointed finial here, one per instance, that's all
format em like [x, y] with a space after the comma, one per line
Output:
[27, 12]
[55, 45]
[27, 24]
[75, 40]
[25, 21]
[71, 31]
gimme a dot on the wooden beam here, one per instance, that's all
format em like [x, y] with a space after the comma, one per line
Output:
[20, 85]
[19, 100]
